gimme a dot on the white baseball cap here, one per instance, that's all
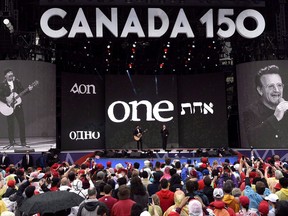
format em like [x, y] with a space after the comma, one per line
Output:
[272, 198]
[218, 193]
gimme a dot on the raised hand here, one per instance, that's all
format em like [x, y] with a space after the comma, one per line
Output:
[281, 108]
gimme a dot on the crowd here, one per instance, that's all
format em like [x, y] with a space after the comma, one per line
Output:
[249, 186]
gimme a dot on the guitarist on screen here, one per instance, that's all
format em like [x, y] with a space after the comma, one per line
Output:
[8, 88]
[138, 137]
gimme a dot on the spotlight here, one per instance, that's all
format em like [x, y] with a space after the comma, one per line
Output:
[8, 25]
[6, 21]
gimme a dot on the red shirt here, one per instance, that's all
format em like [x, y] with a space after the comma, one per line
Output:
[55, 188]
[166, 199]
[108, 200]
[122, 208]
[201, 184]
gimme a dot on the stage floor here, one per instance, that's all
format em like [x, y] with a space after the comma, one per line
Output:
[36, 144]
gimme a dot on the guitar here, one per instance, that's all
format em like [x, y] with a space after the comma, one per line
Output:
[139, 135]
[13, 100]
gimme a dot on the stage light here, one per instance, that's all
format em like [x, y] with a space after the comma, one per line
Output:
[6, 21]
[8, 25]
[37, 38]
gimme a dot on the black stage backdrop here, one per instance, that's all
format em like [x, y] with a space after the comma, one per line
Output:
[247, 93]
[202, 120]
[159, 92]
[82, 115]
[193, 108]
[39, 105]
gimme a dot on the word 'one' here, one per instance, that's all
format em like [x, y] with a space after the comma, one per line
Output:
[153, 113]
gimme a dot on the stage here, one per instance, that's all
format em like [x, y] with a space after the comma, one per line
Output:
[37, 145]
[34, 144]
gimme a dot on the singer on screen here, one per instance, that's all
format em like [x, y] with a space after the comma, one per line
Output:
[10, 90]
[266, 120]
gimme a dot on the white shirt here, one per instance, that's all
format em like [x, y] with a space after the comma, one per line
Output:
[27, 159]
[11, 85]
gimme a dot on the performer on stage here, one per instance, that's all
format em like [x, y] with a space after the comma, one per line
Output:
[138, 137]
[4, 161]
[27, 161]
[164, 134]
[10, 86]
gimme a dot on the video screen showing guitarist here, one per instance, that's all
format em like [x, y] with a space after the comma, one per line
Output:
[9, 90]
[138, 137]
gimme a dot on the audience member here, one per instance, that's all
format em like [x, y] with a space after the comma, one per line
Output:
[283, 192]
[107, 198]
[272, 201]
[124, 205]
[244, 207]
[228, 199]
[154, 207]
[165, 195]
[92, 206]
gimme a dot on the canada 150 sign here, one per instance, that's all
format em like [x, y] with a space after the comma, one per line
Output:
[133, 24]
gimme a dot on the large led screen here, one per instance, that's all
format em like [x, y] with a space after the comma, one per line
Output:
[262, 95]
[82, 113]
[202, 105]
[38, 104]
[147, 101]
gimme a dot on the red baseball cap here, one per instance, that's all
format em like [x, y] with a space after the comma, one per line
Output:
[263, 207]
[244, 201]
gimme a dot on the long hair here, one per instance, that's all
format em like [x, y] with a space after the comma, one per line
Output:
[136, 186]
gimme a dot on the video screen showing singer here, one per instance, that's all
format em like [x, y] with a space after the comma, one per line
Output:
[10, 91]
[266, 120]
